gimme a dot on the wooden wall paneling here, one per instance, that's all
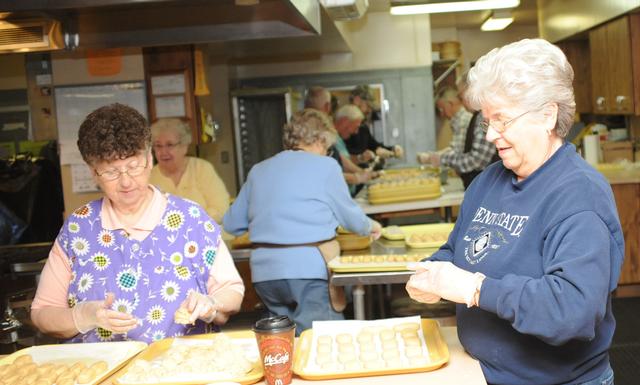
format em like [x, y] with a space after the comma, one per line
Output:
[634, 32]
[627, 198]
[578, 55]
[599, 68]
[620, 74]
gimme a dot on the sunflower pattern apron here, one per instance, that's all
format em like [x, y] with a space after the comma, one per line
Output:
[150, 278]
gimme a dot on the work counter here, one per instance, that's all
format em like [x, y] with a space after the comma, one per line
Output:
[461, 369]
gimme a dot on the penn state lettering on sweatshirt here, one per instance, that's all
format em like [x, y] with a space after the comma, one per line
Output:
[551, 247]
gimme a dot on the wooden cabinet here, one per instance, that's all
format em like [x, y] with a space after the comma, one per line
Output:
[577, 52]
[612, 68]
[627, 196]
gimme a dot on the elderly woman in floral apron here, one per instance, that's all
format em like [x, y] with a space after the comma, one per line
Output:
[137, 264]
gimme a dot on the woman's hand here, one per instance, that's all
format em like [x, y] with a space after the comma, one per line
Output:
[376, 229]
[89, 315]
[444, 280]
[201, 306]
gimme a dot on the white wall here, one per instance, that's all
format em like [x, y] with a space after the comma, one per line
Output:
[378, 41]
[475, 43]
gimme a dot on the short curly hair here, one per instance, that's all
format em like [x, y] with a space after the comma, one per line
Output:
[307, 127]
[113, 132]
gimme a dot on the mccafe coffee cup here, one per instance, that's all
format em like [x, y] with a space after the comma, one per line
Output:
[275, 338]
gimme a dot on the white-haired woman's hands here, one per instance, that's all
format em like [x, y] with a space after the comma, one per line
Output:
[443, 280]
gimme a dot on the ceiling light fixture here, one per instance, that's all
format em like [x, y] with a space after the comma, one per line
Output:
[452, 6]
[498, 21]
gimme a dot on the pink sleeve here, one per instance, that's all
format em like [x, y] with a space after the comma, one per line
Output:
[54, 280]
[224, 274]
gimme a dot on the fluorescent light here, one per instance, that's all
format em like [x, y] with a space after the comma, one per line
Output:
[498, 21]
[453, 6]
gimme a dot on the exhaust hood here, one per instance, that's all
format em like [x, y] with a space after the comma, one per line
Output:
[144, 23]
[29, 35]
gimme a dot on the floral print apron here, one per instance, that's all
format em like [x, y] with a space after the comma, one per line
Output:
[150, 278]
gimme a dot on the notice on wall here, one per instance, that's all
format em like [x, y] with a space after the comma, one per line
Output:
[82, 179]
[74, 103]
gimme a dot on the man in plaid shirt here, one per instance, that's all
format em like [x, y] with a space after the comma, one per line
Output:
[469, 152]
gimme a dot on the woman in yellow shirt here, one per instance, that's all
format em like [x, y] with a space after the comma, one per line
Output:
[182, 175]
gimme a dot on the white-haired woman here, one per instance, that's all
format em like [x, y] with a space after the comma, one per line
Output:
[537, 249]
[290, 204]
[182, 175]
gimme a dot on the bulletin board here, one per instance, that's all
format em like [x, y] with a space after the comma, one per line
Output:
[74, 103]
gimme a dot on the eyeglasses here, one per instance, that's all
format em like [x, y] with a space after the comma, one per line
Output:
[168, 146]
[133, 170]
[501, 126]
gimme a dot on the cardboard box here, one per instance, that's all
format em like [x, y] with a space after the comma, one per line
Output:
[616, 151]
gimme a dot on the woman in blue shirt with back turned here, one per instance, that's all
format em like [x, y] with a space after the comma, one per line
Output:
[537, 248]
[290, 203]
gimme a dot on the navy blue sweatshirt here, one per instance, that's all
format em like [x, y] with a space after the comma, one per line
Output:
[551, 247]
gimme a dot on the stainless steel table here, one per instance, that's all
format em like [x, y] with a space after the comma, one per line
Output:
[359, 280]
[453, 193]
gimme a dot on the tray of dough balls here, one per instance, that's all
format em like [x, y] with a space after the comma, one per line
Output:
[67, 364]
[420, 236]
[197, 359]
[345, 349]
[372, 263]
[404, 190]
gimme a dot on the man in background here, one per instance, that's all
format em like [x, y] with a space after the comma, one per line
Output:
[362, 143]
[469, 152]
[347, 119]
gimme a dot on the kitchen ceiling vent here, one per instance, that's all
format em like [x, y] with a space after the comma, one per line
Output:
[344, 10]
[30, 35]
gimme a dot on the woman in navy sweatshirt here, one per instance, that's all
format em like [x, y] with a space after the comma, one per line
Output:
[537, 248]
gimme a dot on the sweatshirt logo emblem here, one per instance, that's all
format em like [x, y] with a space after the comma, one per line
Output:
[481, 243]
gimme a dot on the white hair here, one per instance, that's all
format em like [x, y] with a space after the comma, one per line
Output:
[317, 97]
[528, 74]
[174, 125]
[349, 111]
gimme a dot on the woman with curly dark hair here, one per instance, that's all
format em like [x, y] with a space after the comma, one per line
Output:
[137, 264]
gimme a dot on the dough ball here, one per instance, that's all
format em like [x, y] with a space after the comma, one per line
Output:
[408, 334]
[389, 345]
[412, 326]
[352, 366]
[387, 334]
[413, 351]
[323, 358]
[364, 337]
[343, 358]
[390, 354]
[344, 338]
[368, 355]
[346, 348]
[323, 348]
[325, 339]
[367, 345]
[394, 362]
[414, 341]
